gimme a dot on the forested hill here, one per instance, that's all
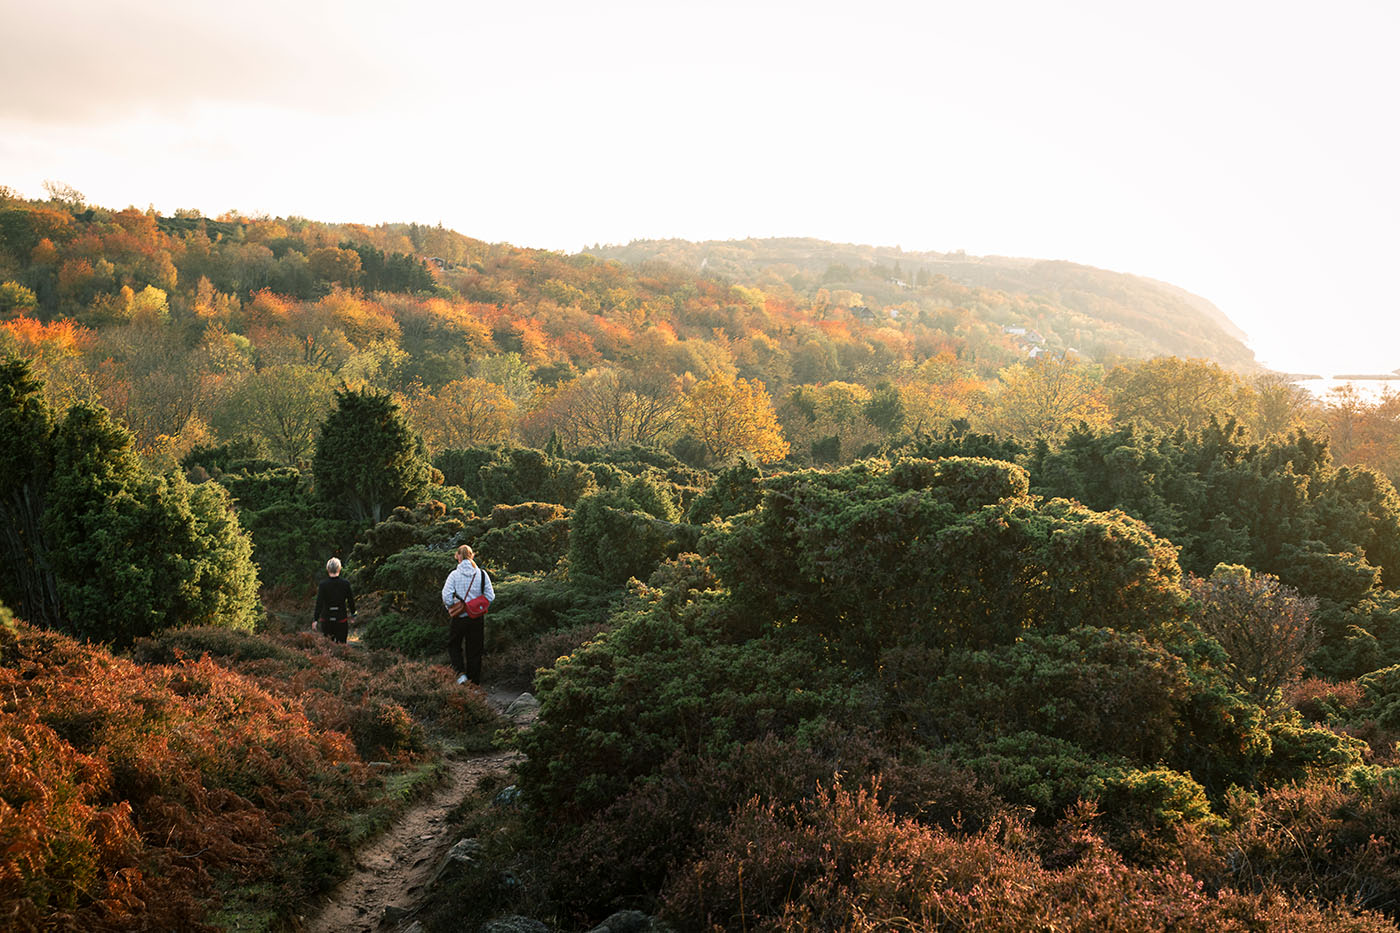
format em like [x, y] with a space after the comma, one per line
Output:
[1102, 314]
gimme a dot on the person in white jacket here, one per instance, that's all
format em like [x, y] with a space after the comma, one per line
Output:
[466, 639]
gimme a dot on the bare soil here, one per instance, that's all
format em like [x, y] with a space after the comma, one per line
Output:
[391, 871]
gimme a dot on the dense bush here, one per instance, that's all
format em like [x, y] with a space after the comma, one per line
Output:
[292, 533]
[612, 538]
[735, 489]
[412, 636]
[1007, 652]
[1277, 507]
[411, 580]
[859, 553]
[667, 680]
[521, 474]
[429, 526]
[525, 538]
[1107, 692]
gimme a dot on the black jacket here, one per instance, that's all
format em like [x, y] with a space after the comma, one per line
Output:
[334, 601]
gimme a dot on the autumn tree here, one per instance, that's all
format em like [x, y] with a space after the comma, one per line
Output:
[1280, 405]
[1374, 435]
[368, 460]
[612, 406]
[1167, 393]
[1344, 412]
[282, 407]
[466, 413]
[338, 266]
[728, 415]
[1044, 397]
[16, 299]
[511, 373]
[830, 420]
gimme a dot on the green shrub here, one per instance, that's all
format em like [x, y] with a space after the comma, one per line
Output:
[611, 539]
[428, 525]
[411, 580]
[1298, 751]
[1047, 773]
[664, 681]
[411, 637]
[1105, 691]
[1382, 689]
[1156, 799]
[735, 489]
[531, 606]
[524, 547]
[850, 555]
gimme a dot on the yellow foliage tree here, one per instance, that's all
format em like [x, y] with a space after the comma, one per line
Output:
[1167, 393]
[466, 413]
[729, 416]
[1044, 397]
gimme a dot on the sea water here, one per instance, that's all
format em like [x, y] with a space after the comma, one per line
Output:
[1370, 390]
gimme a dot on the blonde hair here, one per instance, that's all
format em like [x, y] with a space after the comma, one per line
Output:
[333, 566]
[465, 552]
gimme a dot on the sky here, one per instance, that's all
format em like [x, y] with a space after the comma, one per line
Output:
[1244, 151]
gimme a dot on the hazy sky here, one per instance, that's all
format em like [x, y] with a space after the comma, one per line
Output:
[1245, 151]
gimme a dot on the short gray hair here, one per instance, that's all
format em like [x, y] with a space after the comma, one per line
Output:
[333, 566]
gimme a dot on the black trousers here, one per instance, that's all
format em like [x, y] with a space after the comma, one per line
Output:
[466, 641]
[336, 630]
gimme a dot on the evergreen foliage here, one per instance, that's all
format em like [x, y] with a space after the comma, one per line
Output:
[136, 552]
[368, 461]
[26, 463]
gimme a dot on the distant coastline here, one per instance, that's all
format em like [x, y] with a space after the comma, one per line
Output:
[1371, 387]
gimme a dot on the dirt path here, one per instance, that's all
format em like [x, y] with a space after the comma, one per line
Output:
[391, 871]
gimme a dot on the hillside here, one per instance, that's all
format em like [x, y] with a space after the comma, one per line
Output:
[1102, 314]
[911, 620]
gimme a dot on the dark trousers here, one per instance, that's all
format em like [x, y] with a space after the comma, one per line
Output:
[336, 630]
[466, 640]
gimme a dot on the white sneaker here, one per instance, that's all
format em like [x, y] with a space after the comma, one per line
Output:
[461, 678]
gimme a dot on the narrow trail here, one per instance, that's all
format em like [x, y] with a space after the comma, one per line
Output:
[391, 872]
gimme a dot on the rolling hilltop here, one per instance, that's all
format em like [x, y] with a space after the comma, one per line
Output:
[1103, 315]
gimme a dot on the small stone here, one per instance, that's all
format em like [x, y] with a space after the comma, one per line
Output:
[522, 704]
[465, 850]
[393, 915]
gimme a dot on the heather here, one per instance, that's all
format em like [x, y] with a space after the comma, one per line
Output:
[224, 778]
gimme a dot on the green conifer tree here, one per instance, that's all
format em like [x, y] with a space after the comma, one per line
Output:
[368, 461]
[136, 552]
[26, 460]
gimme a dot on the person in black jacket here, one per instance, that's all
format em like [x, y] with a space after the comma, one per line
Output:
[335, 604]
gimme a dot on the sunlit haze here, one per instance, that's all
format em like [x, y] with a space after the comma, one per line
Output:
[1246, 152]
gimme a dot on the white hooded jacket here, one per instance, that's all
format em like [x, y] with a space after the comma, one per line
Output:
[466, 581]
